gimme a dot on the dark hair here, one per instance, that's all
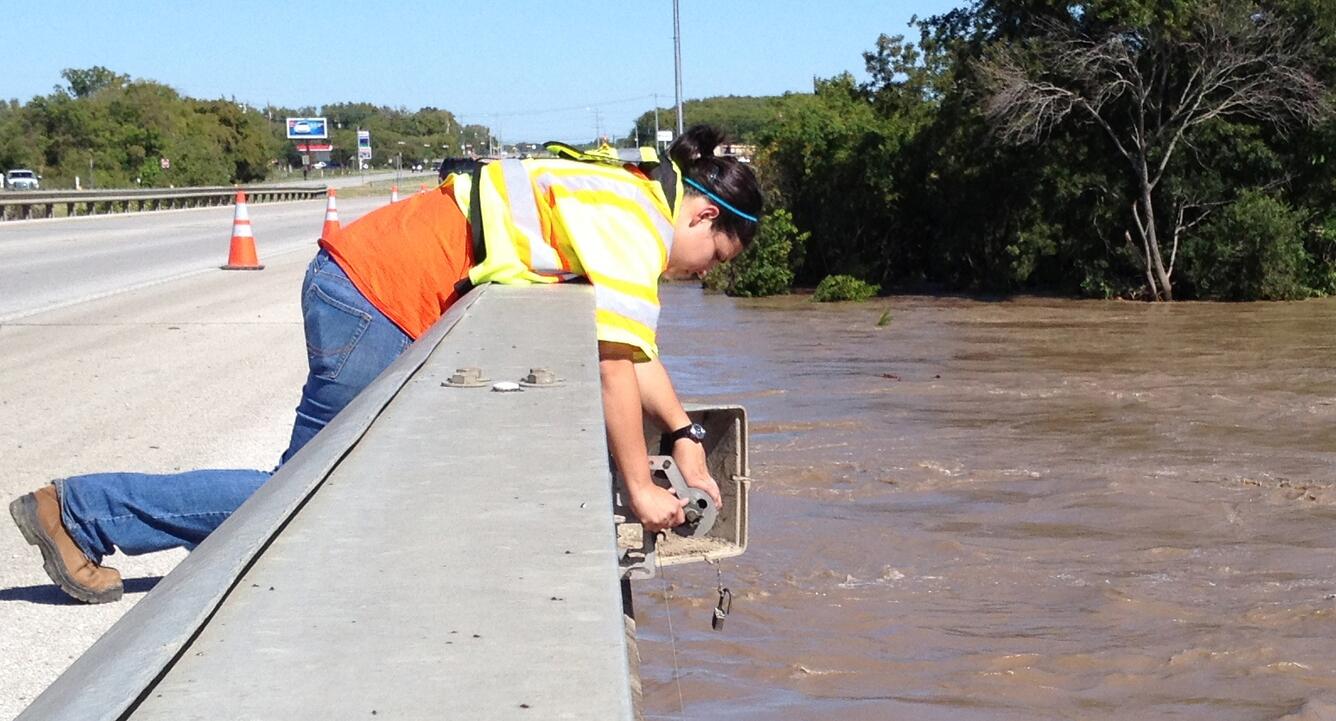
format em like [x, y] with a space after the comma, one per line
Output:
[725, 176]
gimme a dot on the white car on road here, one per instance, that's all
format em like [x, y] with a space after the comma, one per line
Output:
[22, 180]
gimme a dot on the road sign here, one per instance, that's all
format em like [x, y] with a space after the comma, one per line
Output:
[665, 136]
[307, 128]
[364, 145]
[164, 163]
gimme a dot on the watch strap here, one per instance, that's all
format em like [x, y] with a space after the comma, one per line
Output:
[668, 439]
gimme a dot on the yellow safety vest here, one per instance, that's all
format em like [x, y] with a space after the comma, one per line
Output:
[556, 220]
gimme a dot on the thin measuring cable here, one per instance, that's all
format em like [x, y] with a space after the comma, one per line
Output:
[718, 572]
[672, 638]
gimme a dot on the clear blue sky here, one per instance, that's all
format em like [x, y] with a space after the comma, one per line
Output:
[503, 63]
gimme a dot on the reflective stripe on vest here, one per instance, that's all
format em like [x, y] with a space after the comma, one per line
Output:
[522, 246]
[526, 226]
[548, 221]
[629, 306]
[602, 189]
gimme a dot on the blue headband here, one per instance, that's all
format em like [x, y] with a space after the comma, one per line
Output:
[718, 199]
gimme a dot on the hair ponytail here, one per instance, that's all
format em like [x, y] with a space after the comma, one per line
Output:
[732, 181]
[699, 141]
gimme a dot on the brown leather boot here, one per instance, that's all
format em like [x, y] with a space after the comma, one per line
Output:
[38, 516]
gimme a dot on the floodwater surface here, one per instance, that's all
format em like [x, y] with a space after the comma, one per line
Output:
[1029, 509]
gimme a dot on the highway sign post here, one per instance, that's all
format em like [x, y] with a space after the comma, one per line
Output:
[363, 148]
[307, 129]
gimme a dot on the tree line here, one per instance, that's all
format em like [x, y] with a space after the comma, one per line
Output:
[1158, 149]
[110, 131]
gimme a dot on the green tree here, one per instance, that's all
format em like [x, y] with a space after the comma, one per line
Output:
[84, 82]
[834, 162]
[1150, 88]
[108, 130]
[743, 118]
[943, 202]
[766, 266]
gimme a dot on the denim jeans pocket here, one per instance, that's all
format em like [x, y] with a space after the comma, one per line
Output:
[333, 329]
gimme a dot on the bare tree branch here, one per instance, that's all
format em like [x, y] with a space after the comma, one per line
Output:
[1148, 90]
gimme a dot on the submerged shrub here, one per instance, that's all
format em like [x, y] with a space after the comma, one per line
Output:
[844, 287]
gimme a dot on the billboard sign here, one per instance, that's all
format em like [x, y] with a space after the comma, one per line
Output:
[364, 145]
[300, 128]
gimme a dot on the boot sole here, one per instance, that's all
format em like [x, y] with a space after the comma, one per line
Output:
[24, 512]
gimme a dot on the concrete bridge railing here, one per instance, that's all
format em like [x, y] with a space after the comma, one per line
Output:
[437, 549]
[24, 205]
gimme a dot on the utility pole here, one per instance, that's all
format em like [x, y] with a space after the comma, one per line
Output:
[656, 122]
[677, 63]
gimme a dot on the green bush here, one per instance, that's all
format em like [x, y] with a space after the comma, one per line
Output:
[1252, 250]
[844, 287]
[764, 268]
[1321, 246]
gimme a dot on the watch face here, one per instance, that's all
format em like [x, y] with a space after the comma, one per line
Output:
[697, 432]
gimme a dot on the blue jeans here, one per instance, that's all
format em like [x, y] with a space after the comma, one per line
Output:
[348, 343]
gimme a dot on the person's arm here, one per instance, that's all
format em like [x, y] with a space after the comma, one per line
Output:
[660, 403]
[657, 508]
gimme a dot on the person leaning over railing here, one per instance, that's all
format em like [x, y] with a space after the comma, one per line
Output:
[385, 279]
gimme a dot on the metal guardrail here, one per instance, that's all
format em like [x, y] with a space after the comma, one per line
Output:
[25, 205]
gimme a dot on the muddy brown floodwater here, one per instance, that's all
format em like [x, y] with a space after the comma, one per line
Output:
[1030, 509]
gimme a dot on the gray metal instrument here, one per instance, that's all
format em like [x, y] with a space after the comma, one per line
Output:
[700, 510]
[710, 532]
[637, 548]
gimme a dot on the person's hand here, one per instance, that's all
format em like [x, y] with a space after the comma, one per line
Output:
[658, 509]
[690, 458]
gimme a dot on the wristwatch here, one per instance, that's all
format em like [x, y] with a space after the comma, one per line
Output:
[694, 431]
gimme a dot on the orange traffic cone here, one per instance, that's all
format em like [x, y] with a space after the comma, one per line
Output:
[394, 193]
[331, 227]
[242, 254]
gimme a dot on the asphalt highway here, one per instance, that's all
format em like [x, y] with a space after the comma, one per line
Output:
[46, 264]
[172, 364]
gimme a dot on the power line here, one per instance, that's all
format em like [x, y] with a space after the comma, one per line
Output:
[569, 108]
